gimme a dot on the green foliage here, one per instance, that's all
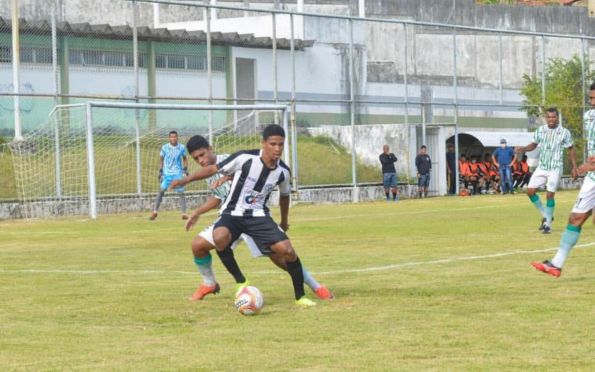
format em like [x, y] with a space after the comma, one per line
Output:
[564, 90]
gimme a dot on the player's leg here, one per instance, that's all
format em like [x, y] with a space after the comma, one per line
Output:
[165, 182]
[224, 233]
[551, 188]
[201, 246]
[320, 290]
[538, 180]
[386, 184]
[581, 211]
[294, 267]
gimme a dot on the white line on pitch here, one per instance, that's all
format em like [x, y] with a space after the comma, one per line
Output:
[367, 269]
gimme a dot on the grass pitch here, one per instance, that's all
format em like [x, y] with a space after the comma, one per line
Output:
[440, 283]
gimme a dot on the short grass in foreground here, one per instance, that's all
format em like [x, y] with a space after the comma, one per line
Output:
[111, 293]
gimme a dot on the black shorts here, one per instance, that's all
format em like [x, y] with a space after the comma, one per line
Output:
[263, 230]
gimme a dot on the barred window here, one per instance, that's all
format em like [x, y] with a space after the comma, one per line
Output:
[114, 59]
[177, 62]
[160, 61]
[27, 55]
[197, 63]
[218, 64]
[92, 57]
[5, 54]
[43, 55]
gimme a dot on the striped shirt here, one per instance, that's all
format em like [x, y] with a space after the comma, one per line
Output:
[222, 191]
[552, 143]
[589, 122]
[252, 183]
[172, 158]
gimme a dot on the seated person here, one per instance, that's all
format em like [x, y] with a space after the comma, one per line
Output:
[520, 173]
[464, 170]
[475, 177]
[484, 172]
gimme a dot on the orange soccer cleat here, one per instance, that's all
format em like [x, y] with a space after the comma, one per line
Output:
[547, 267]
[324, 293]
[204, 290]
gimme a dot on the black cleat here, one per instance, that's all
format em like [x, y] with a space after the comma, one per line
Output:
[542, 224]
[546, 229]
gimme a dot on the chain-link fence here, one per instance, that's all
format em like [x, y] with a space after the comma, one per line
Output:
[354, 83]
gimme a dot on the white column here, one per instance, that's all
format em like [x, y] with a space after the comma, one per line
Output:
[213, 10]
[18, 135]
[362, 8]
[300, 5]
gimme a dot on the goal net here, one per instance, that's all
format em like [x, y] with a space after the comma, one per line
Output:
[104, 157]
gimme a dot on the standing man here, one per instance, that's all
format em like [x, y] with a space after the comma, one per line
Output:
[451, 163]
[503, 157]
[552, 139]
[255, 174]
[585, 202]
[173, 165]
[389, 174]
[423, 163]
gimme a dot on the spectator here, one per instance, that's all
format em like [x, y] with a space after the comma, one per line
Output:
[465, 170]
[493, 173]
[503, 157]
[451, 163]
[521, 174]
[389, 174]
[474, 175]
[484, 172]
[423, 163]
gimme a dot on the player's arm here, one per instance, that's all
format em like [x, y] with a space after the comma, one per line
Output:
[588, 166]
[210, 204]
[201, 174]
[284, 208]
[160, 167]
[530, 147]
[185, 164]
[495, 160]
[572, 156]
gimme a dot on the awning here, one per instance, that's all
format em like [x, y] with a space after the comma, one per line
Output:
[492, 139]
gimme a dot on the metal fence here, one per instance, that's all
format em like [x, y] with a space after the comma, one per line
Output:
[354, 83]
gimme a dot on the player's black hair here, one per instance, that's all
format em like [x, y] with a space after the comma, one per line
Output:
[462, 155]
[173, 132]
[553, 109]
[272, 130]
[424, 147]
[197, 142]
[592, 87]
[487, 155]
[525, 157]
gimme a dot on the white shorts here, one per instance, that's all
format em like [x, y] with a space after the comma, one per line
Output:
[207, 234]
[585, 201]
[549, 179]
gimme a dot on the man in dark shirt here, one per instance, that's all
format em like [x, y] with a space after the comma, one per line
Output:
[389, 174]
[423, 163]
[451, 163]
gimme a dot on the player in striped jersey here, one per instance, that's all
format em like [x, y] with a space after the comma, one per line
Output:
[585, 202]
[551, 139]
[200, 150]
[255, 175]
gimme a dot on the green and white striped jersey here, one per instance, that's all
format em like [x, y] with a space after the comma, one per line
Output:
[552, 143]
[222, 191]
[589, 122]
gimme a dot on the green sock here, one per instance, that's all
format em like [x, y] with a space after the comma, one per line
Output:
[549, 210]
[205, 268]
[537, 204]
[569, 240]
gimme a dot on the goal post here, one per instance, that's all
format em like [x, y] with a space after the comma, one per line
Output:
[97, 152]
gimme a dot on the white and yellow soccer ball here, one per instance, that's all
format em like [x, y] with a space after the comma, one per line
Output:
[249, 300]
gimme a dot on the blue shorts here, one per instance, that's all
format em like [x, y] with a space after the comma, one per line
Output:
[167, 180]
[389, 180]
[423, 180]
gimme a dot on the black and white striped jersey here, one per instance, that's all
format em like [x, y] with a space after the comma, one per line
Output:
[252, 183]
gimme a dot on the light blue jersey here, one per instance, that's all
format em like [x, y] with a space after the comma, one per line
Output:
[222, 191]
[172, 159]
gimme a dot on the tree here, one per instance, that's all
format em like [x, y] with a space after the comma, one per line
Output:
[564, 90]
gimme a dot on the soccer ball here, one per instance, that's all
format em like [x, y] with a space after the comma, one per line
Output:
[249, 300]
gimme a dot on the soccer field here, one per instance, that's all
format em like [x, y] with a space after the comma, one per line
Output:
[441, 283]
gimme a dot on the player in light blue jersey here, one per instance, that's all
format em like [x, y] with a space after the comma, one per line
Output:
[200, 150]
[173, 165]
[585, 202]
[551, 139]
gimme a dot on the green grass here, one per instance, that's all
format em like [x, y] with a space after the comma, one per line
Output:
[111, 293]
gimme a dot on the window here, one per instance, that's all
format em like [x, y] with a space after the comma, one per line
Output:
[43, 55]
[160, 61]
[197, 63]
[218, 64]
[113, 58]
[178, 62]
[92, 57]
[27, 55]
[5, 54]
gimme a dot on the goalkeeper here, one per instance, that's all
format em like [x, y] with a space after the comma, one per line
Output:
[173, 165]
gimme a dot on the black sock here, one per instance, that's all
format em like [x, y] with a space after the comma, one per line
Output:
[394, 196]
[230, 263]
[297, 277]
[386, 194]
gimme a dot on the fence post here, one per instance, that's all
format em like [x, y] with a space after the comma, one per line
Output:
[294, 159]
[57, 164]
[136, 95]
[355, 196]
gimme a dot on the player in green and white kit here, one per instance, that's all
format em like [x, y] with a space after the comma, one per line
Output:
[551, 139]
[585, 202]
[200, 150]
